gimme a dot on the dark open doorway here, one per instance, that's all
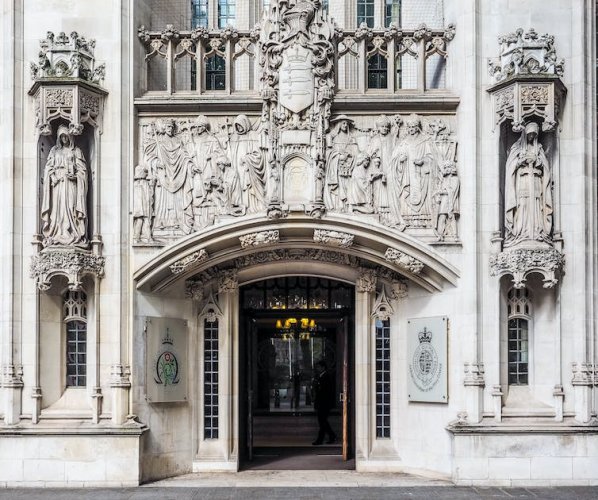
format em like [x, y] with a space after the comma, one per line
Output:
[287, 325]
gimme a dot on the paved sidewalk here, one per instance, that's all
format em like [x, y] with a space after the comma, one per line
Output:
[300, 485]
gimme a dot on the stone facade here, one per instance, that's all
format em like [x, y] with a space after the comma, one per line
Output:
[154, 164]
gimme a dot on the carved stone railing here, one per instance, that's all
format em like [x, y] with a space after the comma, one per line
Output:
[227, 61]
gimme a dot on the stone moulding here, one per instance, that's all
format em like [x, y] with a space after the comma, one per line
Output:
[260, 238]
[333, 238]
[404, 261]
[180, 266]
[72, 263]
[519, 263]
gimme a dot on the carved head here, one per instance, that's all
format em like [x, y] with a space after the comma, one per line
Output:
[344, 122]
[363, 159]
[383, 125]
[299, 17]
[242, 124]
[168, 127]
[531, 131]
[201, 125]
[413, 125]
[63, 137]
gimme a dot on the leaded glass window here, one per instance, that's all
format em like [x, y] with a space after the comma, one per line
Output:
[383, 378]
[392, 13]
[75, 320]
[215, 73]
[199, 13]
[365, 12]
[519, 315]
[377, 72]
[227, 11]
[210, 383]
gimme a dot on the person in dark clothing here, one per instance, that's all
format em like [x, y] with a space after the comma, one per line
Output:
[323, 402]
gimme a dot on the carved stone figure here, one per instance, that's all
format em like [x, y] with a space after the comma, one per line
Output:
[341, 159]
[416, 168]
[383, 147]
[214, 197]
[528, 191]
[233, 194]
[171, 165]
[246, 154]
[142, 205]
[64, 204]
[360, 189]
[446, 201]
[203, 147]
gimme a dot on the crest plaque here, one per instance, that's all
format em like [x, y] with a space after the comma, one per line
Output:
[427, 359]
[166, 360]
[296, 79]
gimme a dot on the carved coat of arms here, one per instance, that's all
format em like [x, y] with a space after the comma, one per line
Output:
[296, 79]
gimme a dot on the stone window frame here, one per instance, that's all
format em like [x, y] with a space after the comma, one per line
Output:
[519, 307]
[224, 13]
[75, 320]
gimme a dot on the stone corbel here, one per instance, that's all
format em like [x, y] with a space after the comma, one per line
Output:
[521, 262]
[72, 263]
[260, 239]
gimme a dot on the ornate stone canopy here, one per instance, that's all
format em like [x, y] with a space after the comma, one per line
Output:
[297, 239]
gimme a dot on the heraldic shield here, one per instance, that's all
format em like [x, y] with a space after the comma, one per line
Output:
[296, 79]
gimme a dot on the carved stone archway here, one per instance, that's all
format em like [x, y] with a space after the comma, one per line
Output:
[339, 241]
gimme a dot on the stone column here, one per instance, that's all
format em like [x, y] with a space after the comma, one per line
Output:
[228, 294]
[364, 417]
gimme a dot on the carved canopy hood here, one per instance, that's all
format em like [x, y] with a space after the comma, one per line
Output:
[340, 241]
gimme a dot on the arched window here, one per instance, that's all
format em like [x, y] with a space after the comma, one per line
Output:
[518, 334]
[75, 321]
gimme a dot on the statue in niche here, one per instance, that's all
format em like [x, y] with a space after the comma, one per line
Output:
[416, 168]
[142, 205]
[247, 156]
[360, 189]
[528, 191]
[446, 201]
[340, 163]
[203, 146]
[64, 203]
[171, 166]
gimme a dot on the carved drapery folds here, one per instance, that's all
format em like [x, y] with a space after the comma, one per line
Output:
[528, 96]
[68, 102]
[397, 170]
[295, 156]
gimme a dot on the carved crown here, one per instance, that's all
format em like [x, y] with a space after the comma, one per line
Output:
[425, 336]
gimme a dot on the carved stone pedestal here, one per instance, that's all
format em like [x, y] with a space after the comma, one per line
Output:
[519, 263]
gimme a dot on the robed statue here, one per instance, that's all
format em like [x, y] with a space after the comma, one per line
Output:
[64, 203]
[528, 191]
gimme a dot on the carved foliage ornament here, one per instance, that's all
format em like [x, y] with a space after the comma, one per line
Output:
[71, 263]
[520, 262]
[261, 238]
[71, 56]
[333, 238]
[403, 261]
[526, 53]
[181, 265]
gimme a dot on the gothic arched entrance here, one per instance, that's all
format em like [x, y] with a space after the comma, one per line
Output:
[294, 332]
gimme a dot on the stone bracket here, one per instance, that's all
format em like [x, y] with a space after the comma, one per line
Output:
[519, 263]
[72, 263]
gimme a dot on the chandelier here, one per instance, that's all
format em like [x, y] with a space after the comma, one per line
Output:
[291, 328]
